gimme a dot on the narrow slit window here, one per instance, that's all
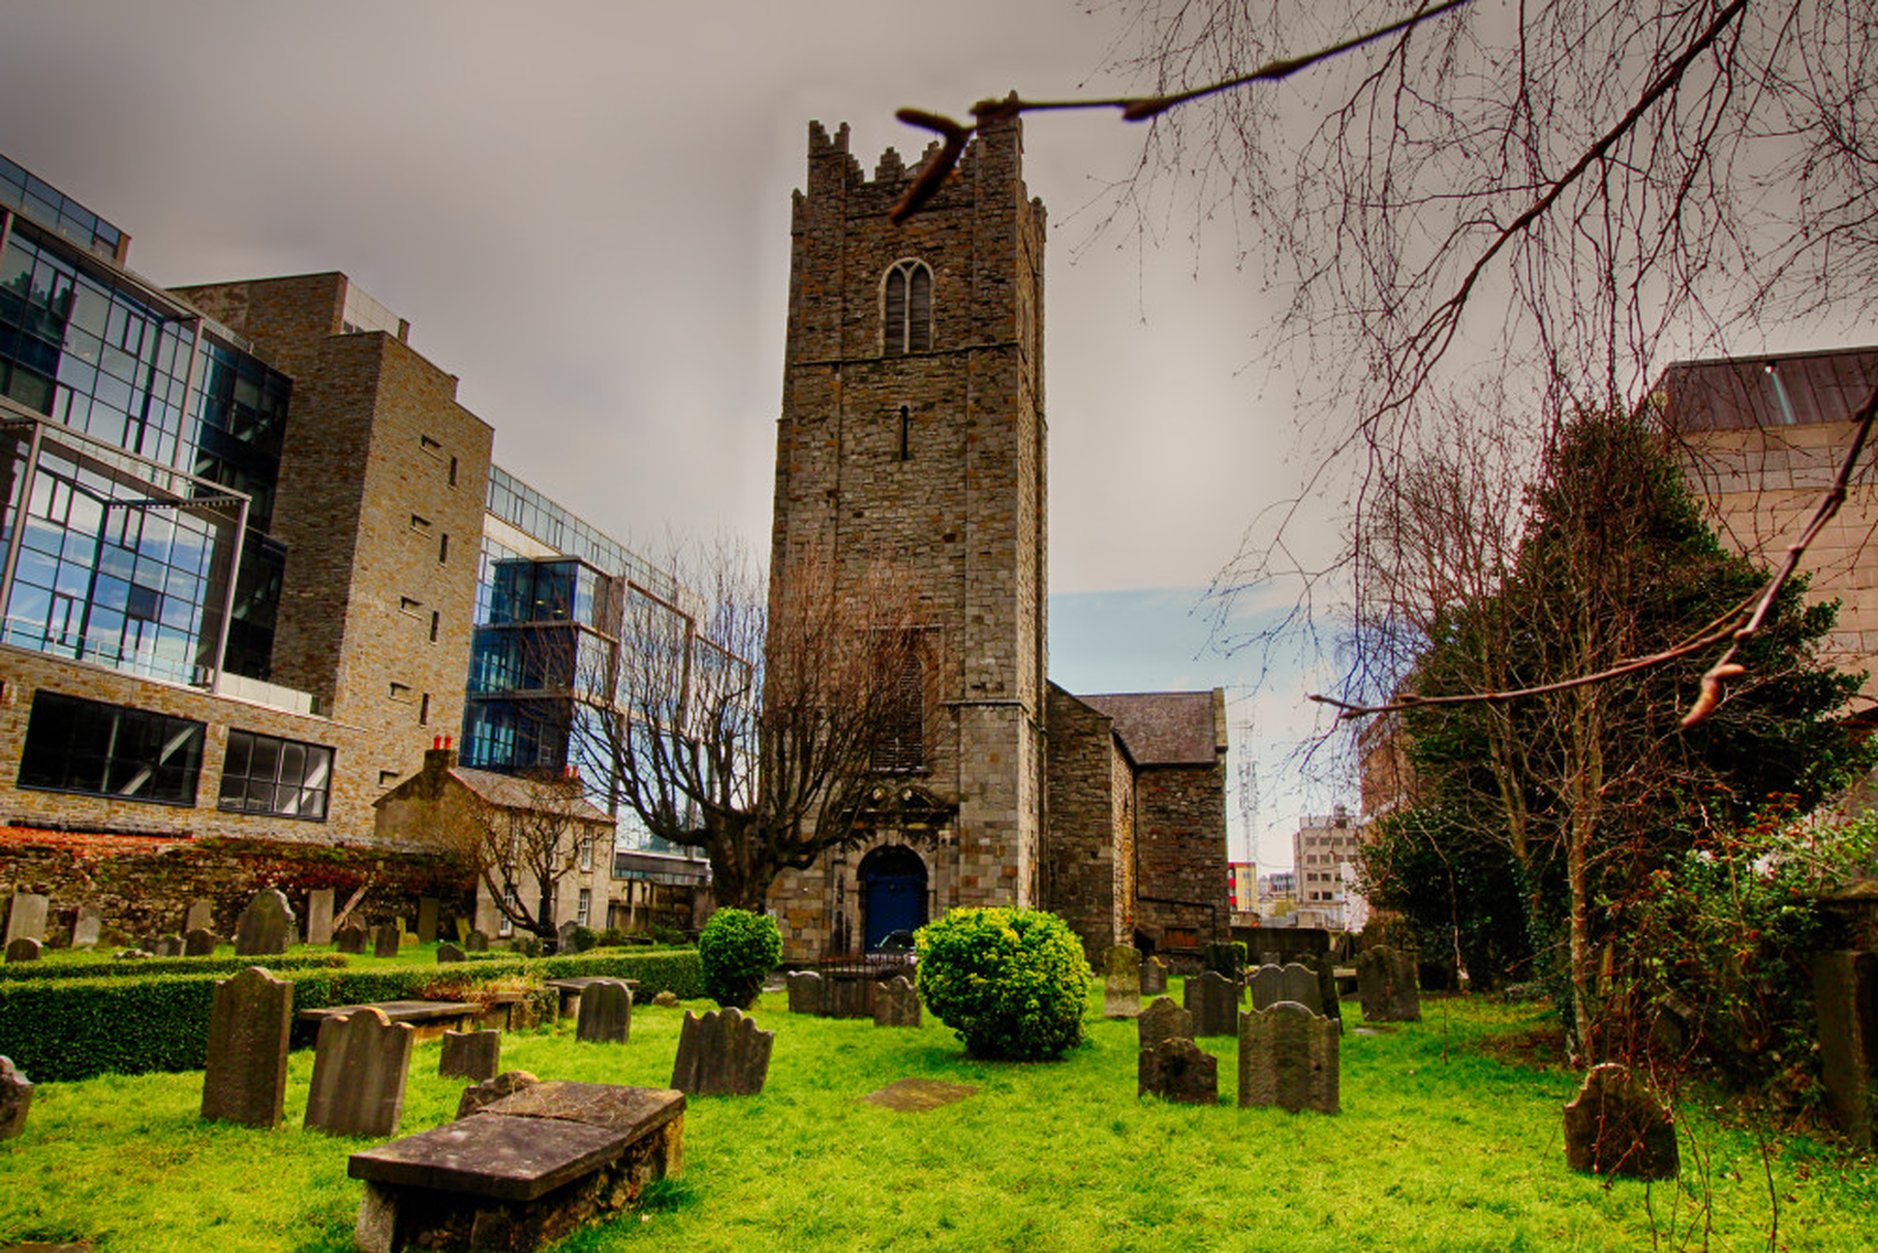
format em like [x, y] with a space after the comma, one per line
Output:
[907, 309]
[435, 619]
[906, 433]
[423, 711]
[443, 547]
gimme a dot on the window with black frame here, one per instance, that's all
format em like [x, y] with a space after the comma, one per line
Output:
[78, 745]
[264, 774]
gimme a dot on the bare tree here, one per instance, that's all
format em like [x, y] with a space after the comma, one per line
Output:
[522, 836]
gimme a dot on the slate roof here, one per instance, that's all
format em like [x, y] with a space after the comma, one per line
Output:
[1162, 728]
[1789, 389]
[506, 791]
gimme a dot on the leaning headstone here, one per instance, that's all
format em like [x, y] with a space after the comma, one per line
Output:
[1153, 977]
[1385, 979]
[1617, 1126]
[1121, 985]
[350, 938]
[169, 946]
[1845, 994]
[199, 943]
[567, 938]
[448, 952]
[1292, 982]
[606, 1012]
[16, 1099]
[489, 1091]
[319, 916]
[722, 1053]
[1178, 1070]
[476, 942]
[1288, 1058]
[1163, 1020]
[26, 917]
[359, 1065]
[245, 1080]
[896, 1003]
[427, 907]
[806, 992]
[386, 940]
[471, 1054]
[22, 950]
[1324, 966]
[265, 924]
[1213, 1000]
[201, 914]
[85, 927]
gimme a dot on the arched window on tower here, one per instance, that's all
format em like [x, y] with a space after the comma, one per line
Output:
[907, 325]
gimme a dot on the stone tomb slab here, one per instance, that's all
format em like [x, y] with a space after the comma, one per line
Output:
[571, 988]
[916, 1096]
[513, 1159]
[428, 1019]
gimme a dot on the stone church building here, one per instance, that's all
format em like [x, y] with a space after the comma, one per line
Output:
[912, 435]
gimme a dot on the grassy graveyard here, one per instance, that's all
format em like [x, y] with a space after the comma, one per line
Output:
[1442, 1145]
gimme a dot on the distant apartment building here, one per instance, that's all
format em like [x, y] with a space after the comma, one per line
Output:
[1242, 884]
[1278, 893]
[1323, 846]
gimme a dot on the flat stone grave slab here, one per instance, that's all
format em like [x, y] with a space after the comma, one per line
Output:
[510, 1159]
[571, 988]
[428, 1019]
[919, 1095]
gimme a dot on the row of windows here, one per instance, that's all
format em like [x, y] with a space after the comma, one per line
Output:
[51, 207]
[78, 745]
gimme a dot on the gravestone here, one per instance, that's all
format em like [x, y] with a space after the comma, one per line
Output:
[201, 913]
[476, 942]
[16, 1099]
[1163, 1020]
[1288, 1058]
[1291, 982]
[26, 917]
[1617, 1126]
[359, 1065]
[22, 950]
[427, 907]
[666, 999]
[896, 1003]
[386, 940]
[470, 1054]
[350, 938]
[1121, 984]
[448, 952]
[1178, 1070]
[565, 938]
[1845, 993]
[266, 925]
[1213, 1000]
[806, 992]
[85, 927]
[150, 943]
[1153, 977]
[478, 1096]
[199, 943]
[722, 1053]
[319, 916]
[1385, 979]
[169, 946]
[245, 1080]
[1324, 966]
[606, 1012]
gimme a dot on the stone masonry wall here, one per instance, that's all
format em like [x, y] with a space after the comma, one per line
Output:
[1182, 841]
[1082, 852]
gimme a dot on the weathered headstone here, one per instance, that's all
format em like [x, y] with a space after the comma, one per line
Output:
[721, 1053]
[1617, 1126]
[350, 938]
[319, 916]
[22, 950]
[26, 917]
[1178, 1070]
[666, 999]
[1121, 984]
[1153, 977]
[245, 1080]
[896, 1003]
[448, 952]
[169, 946]
[386, 940]
[479, 1095]
[476, 942]
[359, 1065]
[201, 914]
[199, 943]
[1288, 1058]
[16, 1100]
[1163, 1020]
[86, 925]
[1385, 979]
[471, 1054]
[265, 926]
[566, 939]
[427, 907]
[1324, 966]
[1213, 1000]
[1845, 992]
[806, 992]
[606, 1012]
[1291, 982]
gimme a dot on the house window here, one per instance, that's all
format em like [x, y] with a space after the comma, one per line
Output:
[584, 908]
[907, 300]
[266, 775]
[586, 854]
[77, 745]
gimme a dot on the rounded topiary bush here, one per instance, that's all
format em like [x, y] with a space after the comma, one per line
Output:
[1011, 982]
[737, 949]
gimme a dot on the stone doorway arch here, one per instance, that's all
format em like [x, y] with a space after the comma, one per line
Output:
[893, 881]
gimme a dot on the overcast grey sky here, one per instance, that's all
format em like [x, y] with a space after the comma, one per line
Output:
[583, 210]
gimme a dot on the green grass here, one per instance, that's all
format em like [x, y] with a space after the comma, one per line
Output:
[1439, 1147]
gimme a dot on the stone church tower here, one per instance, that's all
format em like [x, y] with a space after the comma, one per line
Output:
[912, 435]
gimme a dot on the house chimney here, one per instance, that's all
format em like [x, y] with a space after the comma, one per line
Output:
[439, 758]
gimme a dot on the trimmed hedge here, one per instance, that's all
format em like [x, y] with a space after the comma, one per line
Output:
[149, 966]
[57, 1030]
